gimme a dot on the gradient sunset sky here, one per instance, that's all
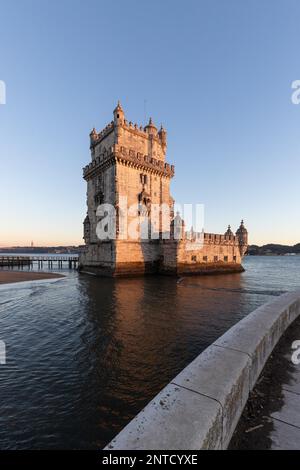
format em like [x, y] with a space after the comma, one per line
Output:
[216, 73]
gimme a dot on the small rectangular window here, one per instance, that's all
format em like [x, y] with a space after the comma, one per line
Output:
[226, 259]
[204, 258]
[234, 258]
[194, 258]
[143, 178]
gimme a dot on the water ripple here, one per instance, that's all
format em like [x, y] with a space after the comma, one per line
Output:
[84, 355]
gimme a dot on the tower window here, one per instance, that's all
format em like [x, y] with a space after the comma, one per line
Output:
[99, 197]
[143, 179]
[118, 115]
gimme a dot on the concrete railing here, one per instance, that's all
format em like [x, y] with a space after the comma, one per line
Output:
[201, 407]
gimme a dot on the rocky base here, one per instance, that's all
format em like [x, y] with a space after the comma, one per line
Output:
[140, 269]
[210, 268]
[122, 269]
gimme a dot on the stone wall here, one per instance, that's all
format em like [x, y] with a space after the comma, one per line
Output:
[131, 186]
[99, 256]
[101, 183]
[129, 257]
[146, 140]
[216, 253]
[140, 141]
[136, 257]
[99, 150]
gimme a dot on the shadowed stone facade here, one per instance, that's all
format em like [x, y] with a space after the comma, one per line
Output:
[129, 161]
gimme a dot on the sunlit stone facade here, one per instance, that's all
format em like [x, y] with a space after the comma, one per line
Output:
[128, 162]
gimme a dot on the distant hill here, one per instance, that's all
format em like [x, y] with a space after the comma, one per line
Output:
[273, 249]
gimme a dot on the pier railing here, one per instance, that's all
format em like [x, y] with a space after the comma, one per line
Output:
[49, 261]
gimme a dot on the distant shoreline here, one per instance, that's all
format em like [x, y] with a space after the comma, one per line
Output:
[273, 254]
[274, 249]
[46, 250]
[9, 277]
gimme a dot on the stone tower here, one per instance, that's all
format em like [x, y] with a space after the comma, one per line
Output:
[127, 161]
[128, 180]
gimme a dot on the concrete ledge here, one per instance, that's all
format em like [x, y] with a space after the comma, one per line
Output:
[176, 418]
[201, 407]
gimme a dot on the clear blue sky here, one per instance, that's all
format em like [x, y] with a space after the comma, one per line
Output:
[217, 73]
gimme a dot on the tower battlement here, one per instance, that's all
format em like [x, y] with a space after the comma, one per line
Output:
[147, 138]
[128, 156]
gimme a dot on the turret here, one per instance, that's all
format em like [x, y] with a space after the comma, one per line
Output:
[118, 114]
[86, 229]
[177, 228]
[162, 134]
[151, 128]
[93, 136]
[242, 235]
[119, 118]
[228, 232]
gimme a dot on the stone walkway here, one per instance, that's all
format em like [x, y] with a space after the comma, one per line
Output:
[271, 419]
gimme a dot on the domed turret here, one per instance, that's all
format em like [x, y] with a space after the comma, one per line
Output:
[178, 227]
[228, 232]
[162, 134]
[118, 114]
[119, 119]
[151, 128]
[242, 235]
[93, 135]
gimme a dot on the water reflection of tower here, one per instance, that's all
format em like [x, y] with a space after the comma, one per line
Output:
[126, 351]
[139, 333]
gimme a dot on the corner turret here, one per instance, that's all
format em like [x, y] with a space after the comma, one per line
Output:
[162, 134]
[228, 232]
[118, 114]
[177, 228]
[119, 119]
[151, 128]
[86, 229]
[93, 136]
[242, 235]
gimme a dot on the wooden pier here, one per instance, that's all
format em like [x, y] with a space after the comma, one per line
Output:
[51, 262]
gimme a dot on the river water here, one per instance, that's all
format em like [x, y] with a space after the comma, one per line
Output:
[85, 354]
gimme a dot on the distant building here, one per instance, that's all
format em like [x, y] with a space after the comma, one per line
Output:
[129, 161]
